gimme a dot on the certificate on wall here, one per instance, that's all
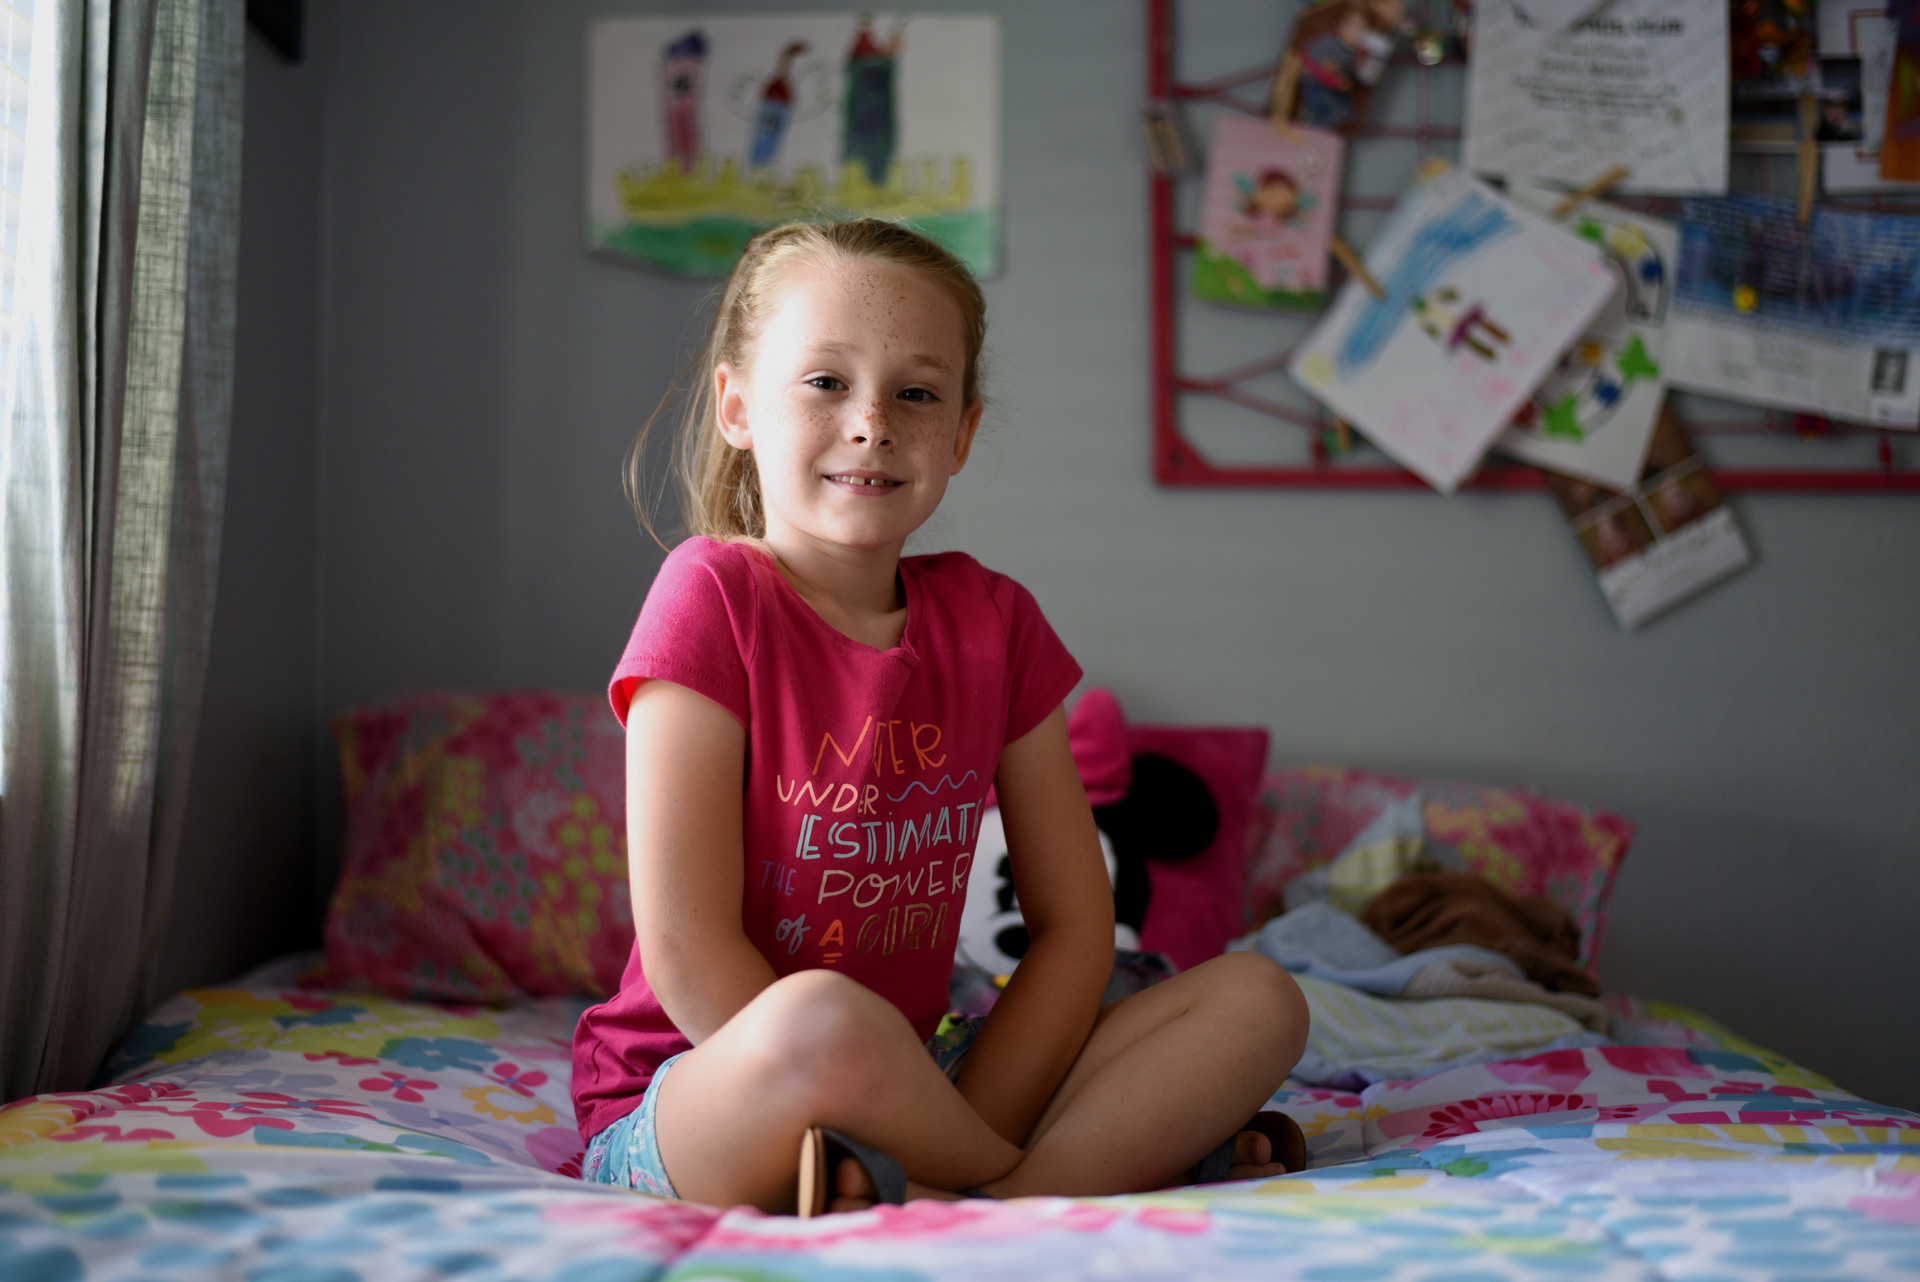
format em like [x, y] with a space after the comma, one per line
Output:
[1640, 84]
[1823, 318]
[1478, 298]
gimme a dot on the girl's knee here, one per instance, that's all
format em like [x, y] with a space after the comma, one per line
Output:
[821, 1037]
[1267, 995]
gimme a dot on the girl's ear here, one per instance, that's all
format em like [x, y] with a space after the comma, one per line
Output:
[963, 440]
[730, 406]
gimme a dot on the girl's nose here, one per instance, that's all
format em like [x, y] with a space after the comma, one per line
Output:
[870, 424]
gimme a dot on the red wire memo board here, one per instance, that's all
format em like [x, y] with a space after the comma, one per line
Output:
[1178, 461]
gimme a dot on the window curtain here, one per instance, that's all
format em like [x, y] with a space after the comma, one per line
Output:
[113, 447]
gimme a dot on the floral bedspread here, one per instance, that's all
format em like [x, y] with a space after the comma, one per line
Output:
[283, 1135]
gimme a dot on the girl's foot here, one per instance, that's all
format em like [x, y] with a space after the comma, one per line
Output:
[1254, 1158]
[853, 1189]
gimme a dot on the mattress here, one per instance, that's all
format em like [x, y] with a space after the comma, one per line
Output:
[275, 1133]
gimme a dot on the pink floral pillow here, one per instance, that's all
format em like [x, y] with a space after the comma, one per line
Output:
[486, 848]
[1522, 842]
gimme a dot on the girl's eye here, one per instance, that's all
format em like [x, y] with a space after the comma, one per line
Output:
[918, 395]
[826, 383]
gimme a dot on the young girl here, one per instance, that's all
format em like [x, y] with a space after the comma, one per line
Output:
[813, 723]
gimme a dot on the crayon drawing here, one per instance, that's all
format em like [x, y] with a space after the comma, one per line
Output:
[1479, 299]
[702, 131]
[1269, 209]
[1594, 414]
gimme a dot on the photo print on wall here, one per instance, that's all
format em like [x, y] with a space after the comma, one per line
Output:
[1664, 539]
[704, 131]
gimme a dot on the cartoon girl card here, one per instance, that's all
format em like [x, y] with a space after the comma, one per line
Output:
[1270, 201]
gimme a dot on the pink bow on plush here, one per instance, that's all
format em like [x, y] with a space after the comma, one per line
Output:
[1097, 733]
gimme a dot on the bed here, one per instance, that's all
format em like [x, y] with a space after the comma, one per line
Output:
[275, 1130]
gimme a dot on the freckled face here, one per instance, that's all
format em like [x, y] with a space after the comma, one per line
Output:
[852, 404]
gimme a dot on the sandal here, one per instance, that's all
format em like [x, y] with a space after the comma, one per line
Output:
[822, 1149]
[1282, 1132]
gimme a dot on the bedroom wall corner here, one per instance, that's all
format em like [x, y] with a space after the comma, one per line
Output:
[245, 884]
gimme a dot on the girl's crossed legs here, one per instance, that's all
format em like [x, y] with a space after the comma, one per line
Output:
[1165, 1076]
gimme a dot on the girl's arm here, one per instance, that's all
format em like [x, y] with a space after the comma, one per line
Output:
[1043, 1018]
[686, 758]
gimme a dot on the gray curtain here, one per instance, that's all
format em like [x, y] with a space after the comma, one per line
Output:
[113, 451]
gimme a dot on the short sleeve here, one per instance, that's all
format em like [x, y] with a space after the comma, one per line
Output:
[1040, 672]
[695, 630]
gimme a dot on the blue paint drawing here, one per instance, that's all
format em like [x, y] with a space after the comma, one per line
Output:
[1472, 223]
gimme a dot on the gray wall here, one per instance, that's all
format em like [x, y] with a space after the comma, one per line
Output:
[245, 889]
[480, 377]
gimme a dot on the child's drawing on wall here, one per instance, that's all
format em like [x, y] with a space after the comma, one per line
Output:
[1479, 298]
[1594, 414]
[702, 132]
[776, 108]
[1268, 211]
[682, 64]
[869, 131]
[1453, 325]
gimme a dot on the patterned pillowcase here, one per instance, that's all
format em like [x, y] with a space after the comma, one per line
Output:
[1522, 842]
[486, 846]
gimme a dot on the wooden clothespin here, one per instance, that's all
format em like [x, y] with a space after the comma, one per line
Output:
[1286, 85]
[1808, 154]
[1342, 436]
[1355, 268]
[1166, 145]
[1599, 187]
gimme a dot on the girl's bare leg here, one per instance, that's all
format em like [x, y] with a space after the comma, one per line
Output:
[816, 1049]
[1167, 1075]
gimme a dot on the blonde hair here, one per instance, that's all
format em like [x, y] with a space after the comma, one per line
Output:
[720, 485]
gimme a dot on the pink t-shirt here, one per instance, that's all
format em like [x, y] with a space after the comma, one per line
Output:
[867, 771]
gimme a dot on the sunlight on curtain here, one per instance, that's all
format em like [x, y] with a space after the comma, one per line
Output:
[113, 448]
[16, 61]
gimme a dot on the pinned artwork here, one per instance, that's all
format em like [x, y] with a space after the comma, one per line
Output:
[1640, 84]
[1339, 51]
[1823, 317]
[1856, 48]
[1659, 541]
[1478, 300]
[703, 131]
[1900, 141]
[1269, 208]
[1594, 414]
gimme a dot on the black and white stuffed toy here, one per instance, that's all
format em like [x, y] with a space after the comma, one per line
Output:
[1166, 814]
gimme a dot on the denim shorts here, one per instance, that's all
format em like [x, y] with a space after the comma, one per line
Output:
[628, 1153]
